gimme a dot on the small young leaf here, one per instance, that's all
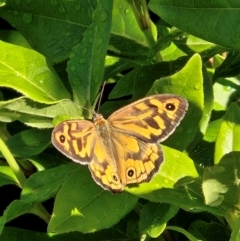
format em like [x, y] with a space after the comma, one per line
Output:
[229, 132]
[221, 182]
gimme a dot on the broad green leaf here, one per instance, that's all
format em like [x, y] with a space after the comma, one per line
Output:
[46, 160]
[172, 170]
[229, 132]
[175, 184]
[7, 176]
[138, 82]
[154, 218]
[45, 184]
[42, 26]
[27, 72]
[209, 231]
[42, 22]
[188, 83]
[203, 19]
[28, 143]
[16, 234]
[127, 39]
[207, 109]
[14, 210]
[221, 182]
[81, 205]
[36, 114]
[86, 64]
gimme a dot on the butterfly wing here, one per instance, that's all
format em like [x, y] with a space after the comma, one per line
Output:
[129, 160]
[75, 139]
[103, 167]
[124, 148]
[79, 141]
[150, 119]
[138, 160]
[136, 130]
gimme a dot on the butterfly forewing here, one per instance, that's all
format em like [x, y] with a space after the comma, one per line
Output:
[152, 118]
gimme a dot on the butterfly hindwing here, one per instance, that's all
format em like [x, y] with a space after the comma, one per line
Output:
[128, 161]
[138, 160]
[104, 167]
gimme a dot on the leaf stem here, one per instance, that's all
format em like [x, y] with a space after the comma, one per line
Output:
[231, 216]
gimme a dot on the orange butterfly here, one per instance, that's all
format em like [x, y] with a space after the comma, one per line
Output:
[122, 149]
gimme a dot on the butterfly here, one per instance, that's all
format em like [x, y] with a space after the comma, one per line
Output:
[122, 149]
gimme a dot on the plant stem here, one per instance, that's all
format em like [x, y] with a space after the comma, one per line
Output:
[12, 163]
[41, 212]
[231, 216]
[140, 10]
[38, 209]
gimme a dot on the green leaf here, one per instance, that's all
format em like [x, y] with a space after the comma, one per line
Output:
[175, 184]
[154, 218]
[162, 43]
[14, 37]
[202, 19]
[86, 64]
[229, 132]
[46, 160]
[7, 176]
[56, 28]
[16, 234]
[138, 81]
[45, 184]
[221, 182]
[182, 84]
[229, 67]
[28, 143]
[171, 171]
[27, 72]
[184, 232]
[81, 205]
[212, 130]
[191, 44]
[42, 26]
[207, 109]
[15, 209]
[225, 91]
[209, 231]
[235, 236]
[36, 114]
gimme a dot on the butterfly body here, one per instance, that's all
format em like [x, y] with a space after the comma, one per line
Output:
[122, 149]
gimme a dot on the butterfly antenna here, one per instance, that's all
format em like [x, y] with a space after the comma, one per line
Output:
[100, 96]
